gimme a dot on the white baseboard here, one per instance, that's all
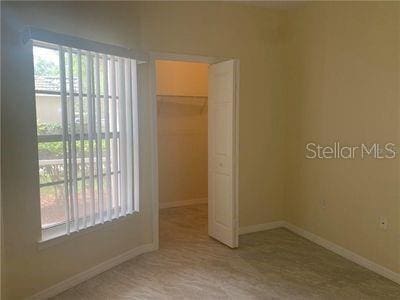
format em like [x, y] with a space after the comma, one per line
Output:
[358, 259]
[261, 227]
[183, 203]
[96, 270]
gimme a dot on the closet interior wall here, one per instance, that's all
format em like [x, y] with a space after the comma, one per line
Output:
[182, 133]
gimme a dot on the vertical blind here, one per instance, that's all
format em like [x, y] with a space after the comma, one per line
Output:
[99, 136]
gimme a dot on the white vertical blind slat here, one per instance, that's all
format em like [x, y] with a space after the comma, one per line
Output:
[82, 138]
[107, 135]
[135, 134]
[99, 141]
[68, 154]
[129, 136]
[73, 159]
[122, 132]
[63, 94]
[90, 137]
[114, 152]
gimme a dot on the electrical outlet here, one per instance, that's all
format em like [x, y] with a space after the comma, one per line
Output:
[383, 223]
[322, 202]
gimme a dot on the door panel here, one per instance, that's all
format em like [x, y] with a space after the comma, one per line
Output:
[221, 128]
[221, 194]
[223, 215]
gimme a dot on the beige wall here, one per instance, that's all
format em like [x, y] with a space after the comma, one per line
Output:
[175, 78]
[182, 131]
[343, 85]
[247, 33]
[182, 150]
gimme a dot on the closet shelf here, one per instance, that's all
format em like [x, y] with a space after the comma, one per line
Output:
[183, 100]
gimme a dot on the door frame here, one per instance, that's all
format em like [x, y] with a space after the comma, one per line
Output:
[153, 56]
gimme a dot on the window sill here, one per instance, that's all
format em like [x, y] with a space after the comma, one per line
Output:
[54, 236]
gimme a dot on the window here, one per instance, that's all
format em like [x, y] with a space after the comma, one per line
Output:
[87, 133]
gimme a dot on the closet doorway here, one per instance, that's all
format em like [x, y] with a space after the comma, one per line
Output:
[195, 136]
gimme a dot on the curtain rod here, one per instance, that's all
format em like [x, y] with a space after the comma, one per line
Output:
[43, 35]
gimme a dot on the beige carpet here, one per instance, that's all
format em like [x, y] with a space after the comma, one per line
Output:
[274, 264]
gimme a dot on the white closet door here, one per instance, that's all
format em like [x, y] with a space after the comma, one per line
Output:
[222, 217]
